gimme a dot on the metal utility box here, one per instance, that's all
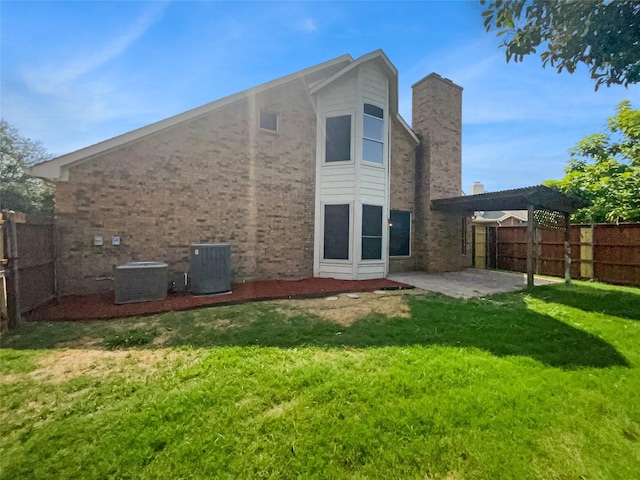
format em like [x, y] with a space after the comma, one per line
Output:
[141, 282]
[210, 270]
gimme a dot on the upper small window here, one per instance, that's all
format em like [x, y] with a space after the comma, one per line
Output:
[338, 139]
[373, 134]
[269, 121]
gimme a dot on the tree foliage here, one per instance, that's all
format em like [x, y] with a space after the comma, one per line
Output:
[604, 35]
[18, 190]
[604, 169]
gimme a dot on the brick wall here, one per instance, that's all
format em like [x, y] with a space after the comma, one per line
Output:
[217, 178]
[403, 184]
[437, 119]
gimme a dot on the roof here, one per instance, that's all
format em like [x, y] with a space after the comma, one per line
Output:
[540, 196]
[58, 168]
[381, 59]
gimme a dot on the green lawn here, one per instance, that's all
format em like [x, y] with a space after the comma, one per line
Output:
[537, 385]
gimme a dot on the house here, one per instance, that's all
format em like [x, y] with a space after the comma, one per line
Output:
[311, 174]
[498, 218]
[502, 218]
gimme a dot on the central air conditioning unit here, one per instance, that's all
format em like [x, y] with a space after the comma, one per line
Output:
[210, 270]
[141, 282]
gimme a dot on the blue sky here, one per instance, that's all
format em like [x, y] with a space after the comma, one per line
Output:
[76, 73]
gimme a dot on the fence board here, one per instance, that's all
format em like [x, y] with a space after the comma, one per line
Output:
[615, 251]
[37, 264]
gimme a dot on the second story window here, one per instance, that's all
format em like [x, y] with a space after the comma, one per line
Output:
[338, 139]
[373, 134]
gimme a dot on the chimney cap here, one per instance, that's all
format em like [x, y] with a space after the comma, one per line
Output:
[435, 76]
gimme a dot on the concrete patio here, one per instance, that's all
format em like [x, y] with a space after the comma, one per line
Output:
[467, 283]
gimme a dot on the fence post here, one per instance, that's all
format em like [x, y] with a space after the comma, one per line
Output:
[538, 250]
[13, 301]
[530, 244]
[567, 249]
[586, 252]
[4, 313]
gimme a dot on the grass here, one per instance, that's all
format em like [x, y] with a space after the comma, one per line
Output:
[536, 385]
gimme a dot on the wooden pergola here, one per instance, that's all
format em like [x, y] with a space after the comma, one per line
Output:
[546, 208]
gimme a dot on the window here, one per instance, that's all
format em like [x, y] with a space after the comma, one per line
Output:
[338, 139]
[373, 134]
[336, 232]
[399, 233]
[269, 121]
[371, 232]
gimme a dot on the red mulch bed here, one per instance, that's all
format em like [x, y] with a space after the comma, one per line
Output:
[102, 306]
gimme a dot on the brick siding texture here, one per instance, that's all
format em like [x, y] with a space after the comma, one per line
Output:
[217, 178]
[437, 119]
[403, 185]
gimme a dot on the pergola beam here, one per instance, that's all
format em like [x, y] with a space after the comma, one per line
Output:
[534, 198]
[531, 232]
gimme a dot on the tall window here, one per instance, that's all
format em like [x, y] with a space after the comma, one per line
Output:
[336, 232]
[371, 232]
[399, 233]
[338, 139]
[373, 134]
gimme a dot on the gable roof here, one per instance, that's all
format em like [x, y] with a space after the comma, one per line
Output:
[58, 168]
[377, 56]
[380, 58]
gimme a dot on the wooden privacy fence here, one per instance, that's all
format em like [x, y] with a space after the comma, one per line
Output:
[28, 265]
[605, 252]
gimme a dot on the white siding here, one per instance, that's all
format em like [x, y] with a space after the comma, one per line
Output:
[370, 270]
[373, 181]
[355, 182]
[337, 180]
[340, 95]
[374, 85]
[334, 270]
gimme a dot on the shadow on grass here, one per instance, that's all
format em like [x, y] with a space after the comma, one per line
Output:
[503, 328]
[599, 299]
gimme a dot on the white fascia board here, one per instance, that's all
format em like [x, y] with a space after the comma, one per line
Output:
[377, 54]
[408, 129]
[58, 168]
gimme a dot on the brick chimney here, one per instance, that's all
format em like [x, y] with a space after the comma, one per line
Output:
[477, 188]
[437, 119]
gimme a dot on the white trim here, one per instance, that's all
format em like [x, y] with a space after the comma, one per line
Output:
[408, 128]
[379, 55]
[356, 63]
[58, 167]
